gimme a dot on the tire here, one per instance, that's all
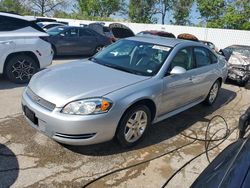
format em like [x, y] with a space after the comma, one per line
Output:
[213, 93]
[54, 51]
[20, 68]
[130, 136]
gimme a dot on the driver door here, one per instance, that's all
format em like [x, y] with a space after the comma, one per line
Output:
[178, 89]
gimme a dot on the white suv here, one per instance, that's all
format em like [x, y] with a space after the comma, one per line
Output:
[23, 48]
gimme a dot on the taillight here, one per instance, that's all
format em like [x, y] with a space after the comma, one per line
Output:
[45, 38]
[112, 39]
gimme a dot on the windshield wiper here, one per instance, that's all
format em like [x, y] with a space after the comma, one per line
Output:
[121, 69]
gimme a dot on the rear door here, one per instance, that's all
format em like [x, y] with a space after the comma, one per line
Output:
[205, 72]
[87, 42]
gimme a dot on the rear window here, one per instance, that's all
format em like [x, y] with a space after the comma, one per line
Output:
[11, 24]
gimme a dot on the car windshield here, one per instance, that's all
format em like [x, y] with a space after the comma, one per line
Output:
[55, 30]
[245, 51]
[134, 57]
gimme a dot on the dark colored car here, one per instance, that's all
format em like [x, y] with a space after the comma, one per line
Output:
[231, 168]
[238, 57]
[158, 33]
[69, 40]
[114, 32]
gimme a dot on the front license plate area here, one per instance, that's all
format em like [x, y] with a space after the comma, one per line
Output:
[30, 115]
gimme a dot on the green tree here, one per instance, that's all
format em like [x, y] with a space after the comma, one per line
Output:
[230, 14]
[100, 8]
[181, 11]
[13, 6]
[142, 11]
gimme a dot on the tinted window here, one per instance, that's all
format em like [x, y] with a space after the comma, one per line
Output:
[213, 57]
[11, 24]
[184, 59]
[51, 25]
[85, 32]
[72, 32]
[202, 57]
[55, 30]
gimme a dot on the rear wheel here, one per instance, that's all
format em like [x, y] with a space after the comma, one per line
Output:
[213, 93]
[20, 68]
[133, 125]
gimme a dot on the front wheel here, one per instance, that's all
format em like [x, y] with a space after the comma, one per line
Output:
[133, 125]
[213, 93]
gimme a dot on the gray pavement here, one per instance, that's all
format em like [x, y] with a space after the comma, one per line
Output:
[30, 159]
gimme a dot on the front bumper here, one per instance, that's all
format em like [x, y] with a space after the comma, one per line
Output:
[240, 74]
[72, 129]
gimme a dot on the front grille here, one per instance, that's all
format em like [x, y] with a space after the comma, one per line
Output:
[40, 101]
[75, 136]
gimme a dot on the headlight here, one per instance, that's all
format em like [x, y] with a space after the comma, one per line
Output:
[88, 106]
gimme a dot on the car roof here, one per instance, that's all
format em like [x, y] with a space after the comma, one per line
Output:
[12, 15]
[48, 23]
[164, 41]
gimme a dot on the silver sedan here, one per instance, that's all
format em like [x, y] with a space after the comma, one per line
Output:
[122, 90]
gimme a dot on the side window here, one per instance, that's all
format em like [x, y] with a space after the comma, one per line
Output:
[214, 59]
[73, 32]
[85, 33]
[184, 59]
[202, 57]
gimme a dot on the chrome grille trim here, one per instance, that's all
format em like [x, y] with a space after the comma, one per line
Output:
[40, 101]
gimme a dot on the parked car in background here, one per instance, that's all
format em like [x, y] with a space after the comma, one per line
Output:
[158, 33]
[48, 25]
[114, 31]
[210, 45]
[238, 57]
[69, 40]
[22, 47]
[103, 30]
[121, 90]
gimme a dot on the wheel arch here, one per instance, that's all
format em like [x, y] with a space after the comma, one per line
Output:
[28, 53]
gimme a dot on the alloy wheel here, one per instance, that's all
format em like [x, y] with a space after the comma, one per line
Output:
[213, 92]
[136, 126]
[23, 70]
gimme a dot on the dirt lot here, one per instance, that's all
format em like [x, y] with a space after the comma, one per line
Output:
[30, 159]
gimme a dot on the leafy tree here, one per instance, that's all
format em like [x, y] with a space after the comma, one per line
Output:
[13, 6]
[101, 8]
[181, 10]
[141, 11]
[231, 14]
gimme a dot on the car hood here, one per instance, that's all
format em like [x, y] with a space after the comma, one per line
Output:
[239, 59]
[78, 80]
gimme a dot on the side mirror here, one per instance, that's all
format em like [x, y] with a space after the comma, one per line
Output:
[178, 70]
